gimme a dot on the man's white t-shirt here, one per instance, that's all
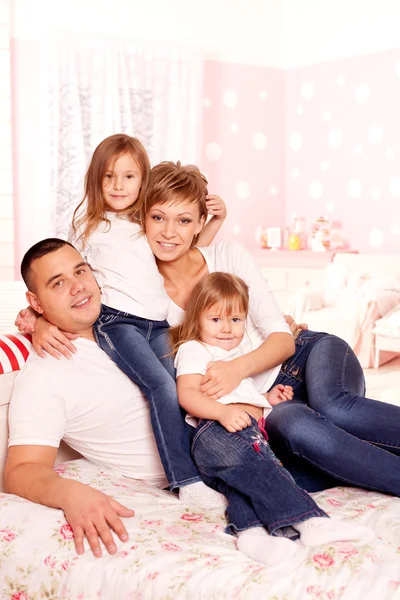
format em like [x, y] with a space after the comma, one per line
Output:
[193, 357]
[90, 404]
[125, 268]
[264, 317]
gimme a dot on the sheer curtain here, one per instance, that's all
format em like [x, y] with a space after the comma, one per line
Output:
[89, 89]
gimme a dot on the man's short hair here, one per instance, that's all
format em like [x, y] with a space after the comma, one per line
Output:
[37, 251]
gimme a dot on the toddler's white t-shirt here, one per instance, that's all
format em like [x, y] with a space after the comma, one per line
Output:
[193, 358]
[264, 318]
[125, 268]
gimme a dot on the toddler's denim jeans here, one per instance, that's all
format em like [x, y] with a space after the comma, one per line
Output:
[140, 348]
[260, 491]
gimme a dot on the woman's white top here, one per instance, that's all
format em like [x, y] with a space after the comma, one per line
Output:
[264, 317]
[125, 268]
[193, 358]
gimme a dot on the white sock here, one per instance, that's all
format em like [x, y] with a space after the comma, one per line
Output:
[322, 530]
[264, 548]
[200, 494]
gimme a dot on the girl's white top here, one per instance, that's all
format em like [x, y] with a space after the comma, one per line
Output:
[193, 358]
[264, 317]
[125, 268]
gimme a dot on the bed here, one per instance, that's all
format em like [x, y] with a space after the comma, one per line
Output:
[180, 552]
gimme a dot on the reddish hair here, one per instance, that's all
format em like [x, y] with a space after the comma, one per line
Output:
[175, 183]
[104, 157]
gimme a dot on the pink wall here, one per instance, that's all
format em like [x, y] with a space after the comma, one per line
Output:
[243, 146]
[332, 134]
[348, 165]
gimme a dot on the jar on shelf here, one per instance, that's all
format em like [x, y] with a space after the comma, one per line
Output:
[264, 237]
[321, 235]
[294, 241]
[299, 228]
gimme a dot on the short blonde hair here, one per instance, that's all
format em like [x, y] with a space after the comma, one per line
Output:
[212, 289]
[174, 183]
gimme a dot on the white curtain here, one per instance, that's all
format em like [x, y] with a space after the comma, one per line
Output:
[90, 89]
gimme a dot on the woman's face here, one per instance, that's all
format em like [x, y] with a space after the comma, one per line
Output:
[170, 229]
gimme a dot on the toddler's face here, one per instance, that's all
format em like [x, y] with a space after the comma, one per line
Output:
[121, 185]
[222, 330]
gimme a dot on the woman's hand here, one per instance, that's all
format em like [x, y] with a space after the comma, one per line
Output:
[26, 320]
[48, 338]
[234, 418]
[216, 206]
[221, 378]
[279, 393]
[293, 325]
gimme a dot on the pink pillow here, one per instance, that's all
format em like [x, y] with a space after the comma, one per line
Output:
[14, 351]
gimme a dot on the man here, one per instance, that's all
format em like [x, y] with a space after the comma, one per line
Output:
[87, 401]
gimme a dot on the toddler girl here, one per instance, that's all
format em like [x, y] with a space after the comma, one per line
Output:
[230, 445]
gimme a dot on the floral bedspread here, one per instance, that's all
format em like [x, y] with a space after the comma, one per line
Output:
[177, 552]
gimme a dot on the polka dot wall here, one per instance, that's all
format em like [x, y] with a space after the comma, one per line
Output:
[318, 140]
[243, 146]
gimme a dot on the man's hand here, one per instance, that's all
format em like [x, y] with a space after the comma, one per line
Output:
[221, 378]
[234, 418]
[94, 515]
[48, 338]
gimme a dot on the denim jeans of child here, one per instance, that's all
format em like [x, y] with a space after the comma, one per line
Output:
[260, 491]
[331, 433]
[140, 347]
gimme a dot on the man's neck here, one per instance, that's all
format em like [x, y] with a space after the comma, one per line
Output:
[87, 334]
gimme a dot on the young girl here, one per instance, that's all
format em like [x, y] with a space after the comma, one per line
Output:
[132, 327]
[230, 445]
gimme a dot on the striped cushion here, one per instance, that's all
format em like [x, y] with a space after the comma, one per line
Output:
[14, 351]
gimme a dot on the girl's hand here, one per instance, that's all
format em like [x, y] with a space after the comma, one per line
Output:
[280, 393]
[216, 206]
[293, 325]
[234, 418]
[48, 338]
[26, 320]
[221, 378]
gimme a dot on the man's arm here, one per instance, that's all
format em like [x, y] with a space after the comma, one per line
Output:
[29, 473]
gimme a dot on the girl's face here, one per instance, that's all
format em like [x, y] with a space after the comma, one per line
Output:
[219, 329]
[170, 229]
[121, 184]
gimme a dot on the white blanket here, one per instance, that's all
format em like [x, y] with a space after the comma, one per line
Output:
[177, 552]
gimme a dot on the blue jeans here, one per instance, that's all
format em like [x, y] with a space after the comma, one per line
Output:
[331, 433]
[139, 348]
[259, 490]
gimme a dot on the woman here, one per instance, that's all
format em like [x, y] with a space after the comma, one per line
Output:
[331, 432]
[330, 421]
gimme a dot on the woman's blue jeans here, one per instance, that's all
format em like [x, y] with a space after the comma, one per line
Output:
[259, 490]
[331, 433]
[140, 347]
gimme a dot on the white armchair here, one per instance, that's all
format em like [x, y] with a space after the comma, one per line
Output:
[357, 290]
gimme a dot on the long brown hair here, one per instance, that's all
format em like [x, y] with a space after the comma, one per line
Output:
[104, 157]
[174, 183]
[212, 289]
